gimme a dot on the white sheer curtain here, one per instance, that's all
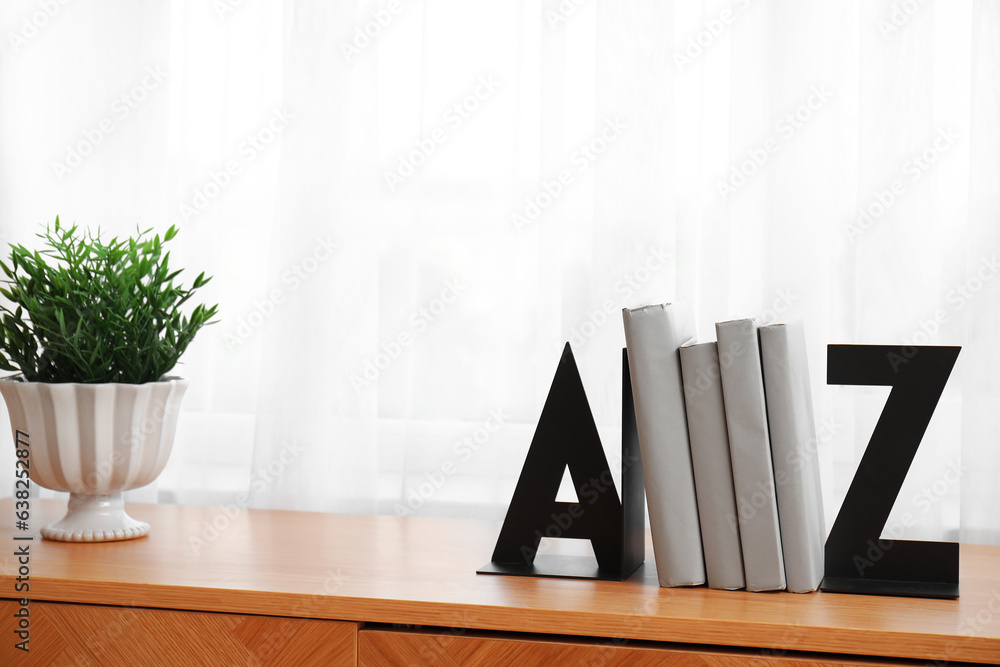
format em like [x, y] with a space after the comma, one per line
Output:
[409, 207]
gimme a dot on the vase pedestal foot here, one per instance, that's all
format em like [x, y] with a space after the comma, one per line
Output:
[95, 518]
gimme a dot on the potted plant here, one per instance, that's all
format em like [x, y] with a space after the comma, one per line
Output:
[92, 328]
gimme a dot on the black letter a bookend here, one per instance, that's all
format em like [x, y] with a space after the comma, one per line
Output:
[566, 437]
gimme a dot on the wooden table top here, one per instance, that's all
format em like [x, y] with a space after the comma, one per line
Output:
[423, 571]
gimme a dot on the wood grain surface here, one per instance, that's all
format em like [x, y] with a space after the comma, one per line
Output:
[422, 571]
[75, 634]
[390, 648]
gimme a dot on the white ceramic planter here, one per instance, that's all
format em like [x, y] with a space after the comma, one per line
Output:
[95, 441]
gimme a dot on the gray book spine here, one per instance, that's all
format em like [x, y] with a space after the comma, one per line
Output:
[793, 448]
[654, 335]
[713, 468]
[750, 450]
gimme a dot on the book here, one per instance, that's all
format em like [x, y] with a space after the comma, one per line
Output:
[793, 450]
[713, 468]
[750, 451]
[654, 335]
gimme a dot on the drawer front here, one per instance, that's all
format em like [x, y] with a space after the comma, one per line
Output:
[78, 634]
[385, 648]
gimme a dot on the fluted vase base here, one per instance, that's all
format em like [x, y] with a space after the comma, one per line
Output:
[99, 518]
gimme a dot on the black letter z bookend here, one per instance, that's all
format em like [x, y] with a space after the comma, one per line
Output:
[566, 437]
[858, 558]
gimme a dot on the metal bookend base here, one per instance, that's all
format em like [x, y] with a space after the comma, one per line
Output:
[909, 589]
[565, 567]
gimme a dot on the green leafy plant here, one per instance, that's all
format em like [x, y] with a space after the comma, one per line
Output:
[89, 311]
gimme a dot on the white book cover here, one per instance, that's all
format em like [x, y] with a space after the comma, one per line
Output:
[713, 468]
[793, 449]
[750, 451]
[653, 335]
